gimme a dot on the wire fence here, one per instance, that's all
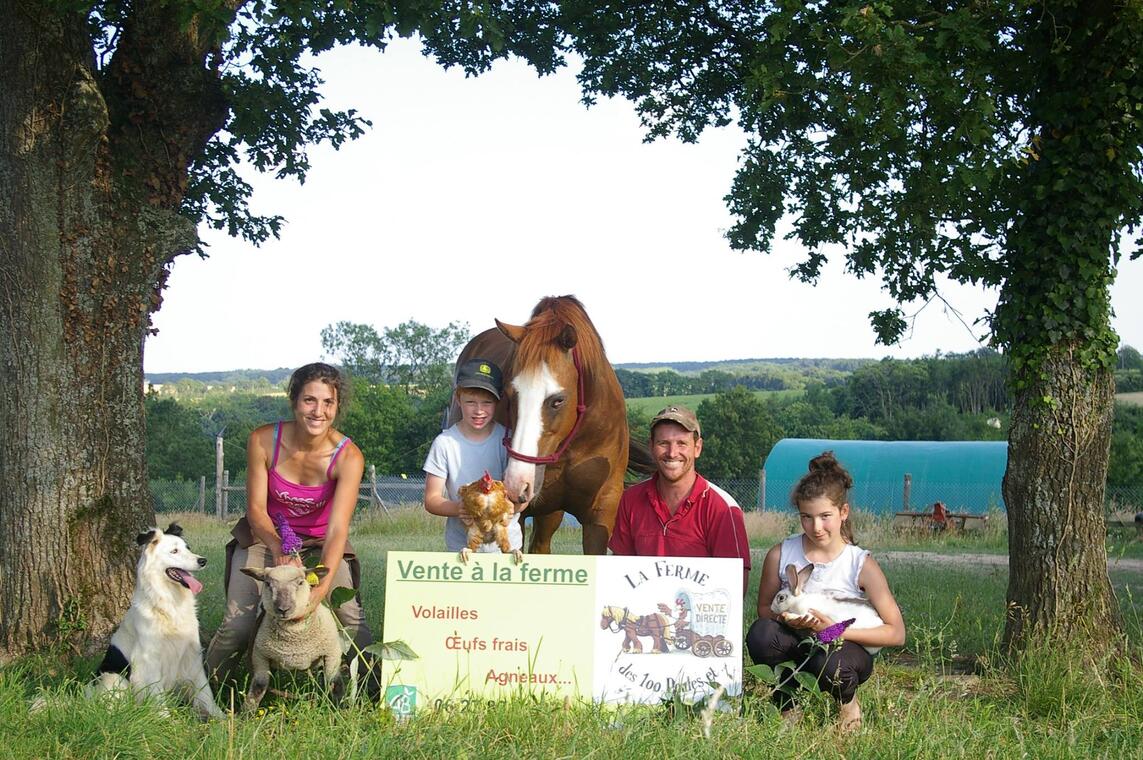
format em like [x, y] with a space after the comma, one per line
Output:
[227, 499]
[388, 492]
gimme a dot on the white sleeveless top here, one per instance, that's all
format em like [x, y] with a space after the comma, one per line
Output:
[837, 578]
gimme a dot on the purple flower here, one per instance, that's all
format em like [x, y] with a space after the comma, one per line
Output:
[833, 633]
[291, 544]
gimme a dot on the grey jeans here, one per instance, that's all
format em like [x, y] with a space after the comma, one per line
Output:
[229, 645]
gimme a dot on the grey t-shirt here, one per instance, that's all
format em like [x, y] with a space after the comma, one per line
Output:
[460, 461]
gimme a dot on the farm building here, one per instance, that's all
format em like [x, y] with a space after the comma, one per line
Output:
[891, 476]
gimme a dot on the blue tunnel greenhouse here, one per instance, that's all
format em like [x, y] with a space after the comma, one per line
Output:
[892, 476]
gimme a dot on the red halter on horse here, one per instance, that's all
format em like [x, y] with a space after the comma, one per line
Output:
[568, 442]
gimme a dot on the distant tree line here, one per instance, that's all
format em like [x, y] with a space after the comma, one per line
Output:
[1128, 371]
[412, 355]
[392, 428]
[943, 398]
[948, 397]
[198, 384]
[400, 385]
[972, 382]
[759, 375]
[746, 366]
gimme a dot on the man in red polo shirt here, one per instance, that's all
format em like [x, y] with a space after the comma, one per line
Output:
[677, 512]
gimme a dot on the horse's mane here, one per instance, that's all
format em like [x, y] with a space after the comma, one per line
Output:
[623, 615]
[619, 614]
[542, 334]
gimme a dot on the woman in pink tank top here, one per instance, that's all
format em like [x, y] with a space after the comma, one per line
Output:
[305, 472]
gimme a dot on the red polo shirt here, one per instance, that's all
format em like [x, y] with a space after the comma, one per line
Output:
[707, 524]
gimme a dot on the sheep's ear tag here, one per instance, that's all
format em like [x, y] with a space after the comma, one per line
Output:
[311, 578]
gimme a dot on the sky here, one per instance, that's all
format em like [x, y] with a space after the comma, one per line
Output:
[471, 199]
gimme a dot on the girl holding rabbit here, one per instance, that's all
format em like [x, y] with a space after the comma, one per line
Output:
[815, 580]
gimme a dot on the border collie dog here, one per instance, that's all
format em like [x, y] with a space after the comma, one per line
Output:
[156, 649]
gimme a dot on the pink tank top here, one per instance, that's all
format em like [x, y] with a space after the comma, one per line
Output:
[306, 508]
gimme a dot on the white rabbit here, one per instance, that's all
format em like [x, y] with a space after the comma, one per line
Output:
[797, 601]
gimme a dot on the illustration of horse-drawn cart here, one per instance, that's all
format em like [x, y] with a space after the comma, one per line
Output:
[700, 624]
[702, 645]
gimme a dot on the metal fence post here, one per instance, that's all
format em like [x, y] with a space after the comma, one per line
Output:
[762, 489]
[201, 507]
[225, 493]
[218, 508]
[372, 487]
[905, 495]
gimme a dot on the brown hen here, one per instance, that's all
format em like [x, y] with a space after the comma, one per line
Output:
[489, 511]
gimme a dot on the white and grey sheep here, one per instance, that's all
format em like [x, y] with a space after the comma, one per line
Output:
[289, 639]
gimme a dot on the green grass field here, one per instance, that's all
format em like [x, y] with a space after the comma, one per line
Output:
[944, 694]
[648, 405]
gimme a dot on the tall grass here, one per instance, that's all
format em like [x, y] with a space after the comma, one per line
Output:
[942, 695]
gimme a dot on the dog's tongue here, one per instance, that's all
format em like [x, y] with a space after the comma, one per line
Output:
[192, 583]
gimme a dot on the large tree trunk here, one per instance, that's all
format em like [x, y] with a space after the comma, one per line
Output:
[1058, 587]
[72, 487]
[88, 225]
[1071, 196]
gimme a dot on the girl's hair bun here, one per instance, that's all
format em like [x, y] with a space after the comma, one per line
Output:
[826, 467]
[822, 461]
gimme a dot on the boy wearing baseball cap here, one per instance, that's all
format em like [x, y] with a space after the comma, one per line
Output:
[463, 452]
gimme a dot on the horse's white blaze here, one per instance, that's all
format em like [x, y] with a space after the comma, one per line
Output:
[532, 389]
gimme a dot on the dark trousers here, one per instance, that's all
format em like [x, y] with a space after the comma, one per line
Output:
[839, 670]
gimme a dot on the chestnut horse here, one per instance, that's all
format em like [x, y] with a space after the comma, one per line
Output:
[568, 444]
